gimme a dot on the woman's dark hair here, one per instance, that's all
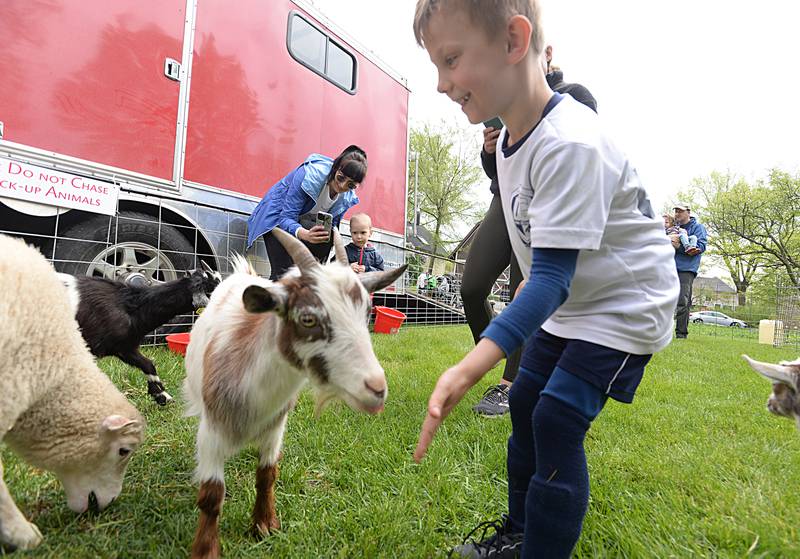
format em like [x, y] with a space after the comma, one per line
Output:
[352, 162]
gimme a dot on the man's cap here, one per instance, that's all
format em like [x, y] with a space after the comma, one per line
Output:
[681, 206]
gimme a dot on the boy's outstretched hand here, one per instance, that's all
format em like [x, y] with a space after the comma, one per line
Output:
[452, 386]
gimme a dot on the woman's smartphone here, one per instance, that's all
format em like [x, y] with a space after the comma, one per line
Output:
[326, 220]
[494, 123]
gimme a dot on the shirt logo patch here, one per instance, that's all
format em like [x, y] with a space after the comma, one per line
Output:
[520, 203]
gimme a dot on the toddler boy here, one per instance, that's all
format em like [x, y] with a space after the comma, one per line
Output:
[362, 256]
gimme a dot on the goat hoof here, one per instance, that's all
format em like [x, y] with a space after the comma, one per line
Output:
[263, 529]
[162, 399]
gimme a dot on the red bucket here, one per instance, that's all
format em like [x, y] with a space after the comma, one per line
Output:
[178, 342]
[387, 320]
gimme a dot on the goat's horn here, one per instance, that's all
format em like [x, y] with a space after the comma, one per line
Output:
[373, 281]
[338, 246]
[776, 373]
[206, 267]
[297, 250]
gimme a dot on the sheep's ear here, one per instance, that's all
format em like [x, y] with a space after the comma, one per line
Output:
[120, 425]
[374, 281]
[785, 374]
[258, 299]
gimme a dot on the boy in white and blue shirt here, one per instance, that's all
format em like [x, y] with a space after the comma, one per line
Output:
[601, 288]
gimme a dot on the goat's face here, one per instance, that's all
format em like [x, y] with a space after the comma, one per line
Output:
[325, 311]
[785, 377]
[203, 282]
[95, 480]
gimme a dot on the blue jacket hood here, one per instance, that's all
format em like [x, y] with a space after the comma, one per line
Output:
[294, 195]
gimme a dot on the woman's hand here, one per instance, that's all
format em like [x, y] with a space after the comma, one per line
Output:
[452, 386]
[316, 235]
[519, 288]
[490, 139]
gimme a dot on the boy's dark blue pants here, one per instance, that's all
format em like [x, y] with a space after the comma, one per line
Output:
[561, 387]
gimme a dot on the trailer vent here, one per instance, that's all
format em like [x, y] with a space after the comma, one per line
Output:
[172, 69]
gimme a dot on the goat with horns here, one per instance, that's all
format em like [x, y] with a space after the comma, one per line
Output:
[253, 349]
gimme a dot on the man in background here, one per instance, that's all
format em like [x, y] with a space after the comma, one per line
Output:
[687, 262]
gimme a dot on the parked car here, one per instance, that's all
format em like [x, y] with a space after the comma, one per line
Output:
[718, 318]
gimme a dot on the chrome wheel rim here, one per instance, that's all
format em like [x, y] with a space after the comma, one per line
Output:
[134, 263]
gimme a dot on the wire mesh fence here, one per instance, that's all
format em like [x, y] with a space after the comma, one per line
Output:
[140, 248]
[153, 246]
[769, 316]
[147, 247]
[787, 321]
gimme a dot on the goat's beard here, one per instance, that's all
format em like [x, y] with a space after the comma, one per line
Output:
[323, 396]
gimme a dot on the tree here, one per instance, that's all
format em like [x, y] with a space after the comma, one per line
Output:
[447, 171]
[720, 197]
[773, 216]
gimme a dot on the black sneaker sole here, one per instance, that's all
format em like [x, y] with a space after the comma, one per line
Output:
[490, 415]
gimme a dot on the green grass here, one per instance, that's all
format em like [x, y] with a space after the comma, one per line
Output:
[695, 467]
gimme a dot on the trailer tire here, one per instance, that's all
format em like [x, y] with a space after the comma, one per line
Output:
[122, 248]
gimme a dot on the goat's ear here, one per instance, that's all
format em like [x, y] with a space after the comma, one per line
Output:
[257, 299]
[788, 374]
[373, 281]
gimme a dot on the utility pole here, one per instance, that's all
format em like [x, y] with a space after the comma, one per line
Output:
[415, 159]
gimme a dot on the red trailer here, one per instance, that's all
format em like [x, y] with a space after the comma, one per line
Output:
[137, 135]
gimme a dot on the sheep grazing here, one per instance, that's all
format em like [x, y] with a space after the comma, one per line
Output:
[114, 317]
[251, 352]
[58, 411]
[785, 377]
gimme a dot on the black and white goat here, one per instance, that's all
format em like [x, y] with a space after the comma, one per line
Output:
[785, 377]
[253, 349]
[114, 317]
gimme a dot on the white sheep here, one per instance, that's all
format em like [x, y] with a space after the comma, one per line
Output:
[252, 350]
[58, 411]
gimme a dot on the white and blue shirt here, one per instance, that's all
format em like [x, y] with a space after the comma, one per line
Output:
[567, 186]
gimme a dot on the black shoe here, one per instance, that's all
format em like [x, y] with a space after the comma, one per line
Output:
[680, 336]
[494, 402]
[503, 544]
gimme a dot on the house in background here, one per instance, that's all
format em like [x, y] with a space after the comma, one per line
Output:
[423, 242]
[710, 292]
[459, 255]
[461, 250]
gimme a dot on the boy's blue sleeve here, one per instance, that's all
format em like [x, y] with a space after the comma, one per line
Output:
[545, 291]
[293, 202]
[376, 264]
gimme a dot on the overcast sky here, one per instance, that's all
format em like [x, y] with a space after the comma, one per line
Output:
[685, 87]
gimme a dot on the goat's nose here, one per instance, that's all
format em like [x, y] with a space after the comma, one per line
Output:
[377, 386]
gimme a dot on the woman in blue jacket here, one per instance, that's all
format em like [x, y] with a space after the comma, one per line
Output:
[318, 185]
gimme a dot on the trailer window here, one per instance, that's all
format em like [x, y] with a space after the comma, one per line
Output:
[308, 44]
[340, 66]
[320, 53]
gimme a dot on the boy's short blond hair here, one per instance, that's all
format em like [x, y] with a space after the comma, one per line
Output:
[362, 217]
[490, 15]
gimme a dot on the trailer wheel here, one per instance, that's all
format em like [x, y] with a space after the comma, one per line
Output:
[129, 248]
